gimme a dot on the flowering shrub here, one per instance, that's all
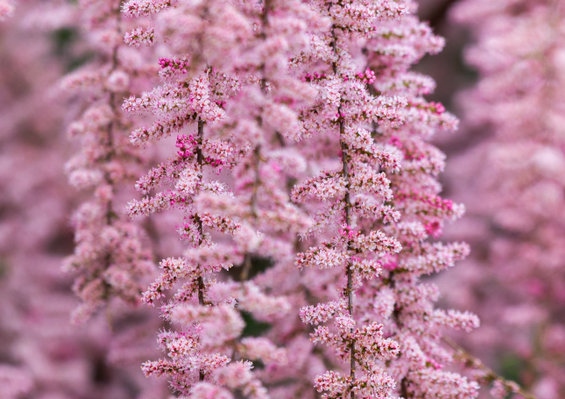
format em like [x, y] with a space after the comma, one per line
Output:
[285, 231]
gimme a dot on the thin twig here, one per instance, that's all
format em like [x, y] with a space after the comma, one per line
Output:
[489, 374]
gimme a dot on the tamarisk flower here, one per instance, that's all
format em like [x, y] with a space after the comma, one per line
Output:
[109, 257]
[513, 183]
[375, 197]
[42, 356]
[199, 362]
[267, 119]
[32, 227]
[229, 179]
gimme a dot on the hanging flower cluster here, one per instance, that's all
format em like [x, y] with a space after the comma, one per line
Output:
[513, 184]
[110, 259]
[227, 94]
[289, 142]
[288, 236]
[375, 197]
[300, 138]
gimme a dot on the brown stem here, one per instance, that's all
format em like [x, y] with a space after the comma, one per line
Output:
[200, 162]
[347, 218]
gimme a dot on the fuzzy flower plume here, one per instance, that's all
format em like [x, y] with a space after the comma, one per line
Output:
[375, 196]
[230, 101]
[513, 182]
[110, 259]
[42, 355]
[254, 185]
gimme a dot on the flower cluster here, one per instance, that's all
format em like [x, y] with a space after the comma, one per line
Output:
[229, 179]
[285, 240]
[109, 258]
[42, 355]
[513, 185]
[377, 187]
